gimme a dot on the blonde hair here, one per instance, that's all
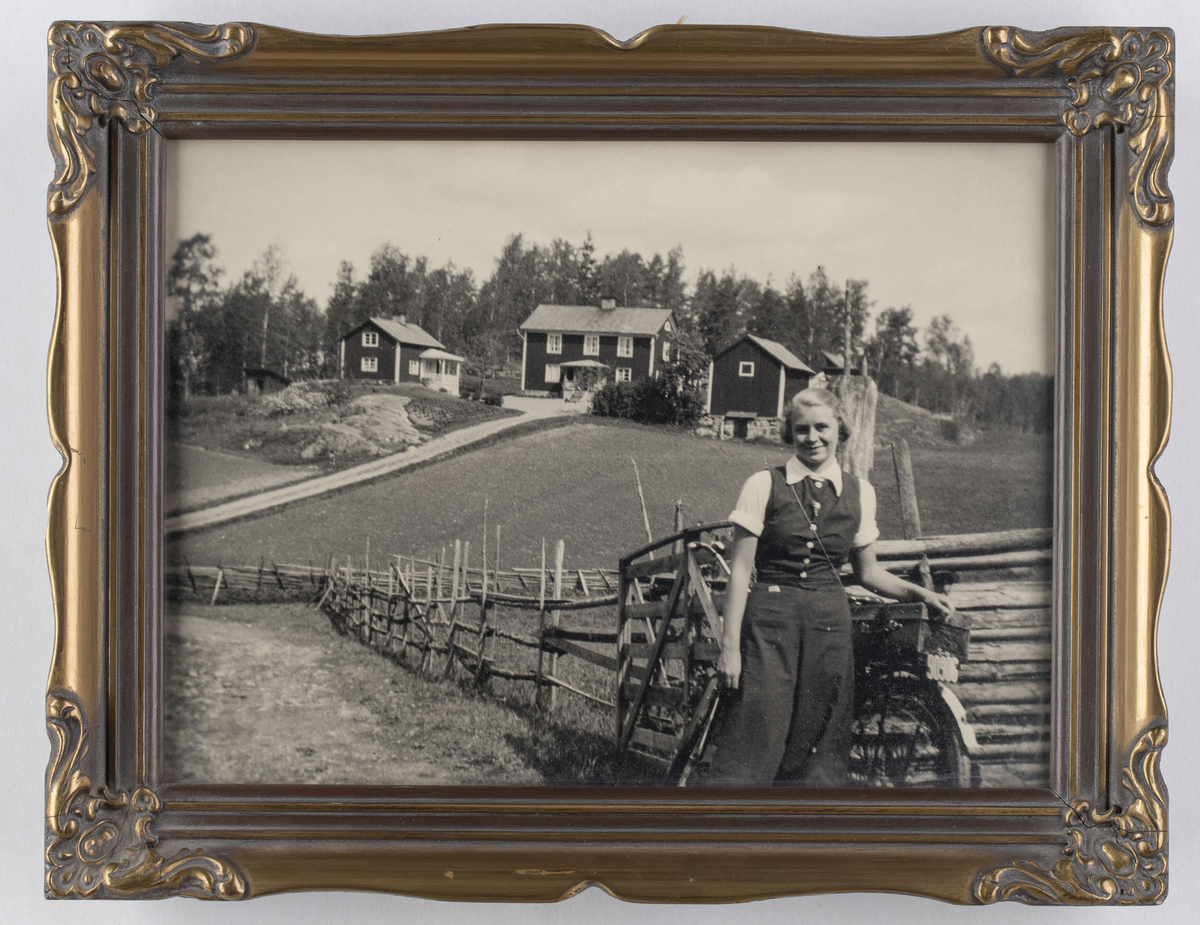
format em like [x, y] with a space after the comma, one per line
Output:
[813, 398]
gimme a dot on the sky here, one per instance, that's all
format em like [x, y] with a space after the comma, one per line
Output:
[965, 230]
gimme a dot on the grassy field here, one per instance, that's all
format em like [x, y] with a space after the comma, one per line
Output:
[577, 483]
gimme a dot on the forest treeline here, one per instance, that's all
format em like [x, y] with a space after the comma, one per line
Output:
[264, 320]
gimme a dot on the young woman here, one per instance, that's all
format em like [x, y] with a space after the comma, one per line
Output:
[787, 661]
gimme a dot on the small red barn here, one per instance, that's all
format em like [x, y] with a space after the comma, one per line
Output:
[754, 378]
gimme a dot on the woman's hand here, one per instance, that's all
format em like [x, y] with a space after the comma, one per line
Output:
[729, 666]
[940, 605]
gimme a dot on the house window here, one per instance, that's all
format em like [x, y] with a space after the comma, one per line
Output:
[624, 374]
[624, 346]
[591, 345]
[666, 352]
[370, 364]
[667, 326]
[552, 372]
[414, 367]
[746, 369]
[554, 343]
[451, 368]
[370, 339]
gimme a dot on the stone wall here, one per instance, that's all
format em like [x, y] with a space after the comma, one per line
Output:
[722, 428]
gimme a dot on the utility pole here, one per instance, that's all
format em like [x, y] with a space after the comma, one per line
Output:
[847, 345]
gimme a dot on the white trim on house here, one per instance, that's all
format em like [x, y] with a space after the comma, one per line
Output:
[342, 358]
[746, 369]
[524, 357]
[782, 381]
[625, 345]
[591, 345]
[557, 374]
[624, 374]
[368, 365]
[708, 400]
[414, 368]
[370, 338]
[554, 343]
[396, 367]
[653, 347]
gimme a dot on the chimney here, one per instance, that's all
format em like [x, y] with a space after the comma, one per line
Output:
[400, 319]
[608, 305]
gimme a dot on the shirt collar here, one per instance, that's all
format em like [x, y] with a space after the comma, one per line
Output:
[796, 471]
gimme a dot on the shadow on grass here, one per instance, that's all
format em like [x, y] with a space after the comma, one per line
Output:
[566, 756]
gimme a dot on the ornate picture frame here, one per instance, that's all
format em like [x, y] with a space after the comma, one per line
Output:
[120, 92]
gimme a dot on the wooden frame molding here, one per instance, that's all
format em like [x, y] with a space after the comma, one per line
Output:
[119, 93]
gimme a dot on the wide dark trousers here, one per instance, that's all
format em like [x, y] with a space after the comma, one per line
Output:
[790, 720]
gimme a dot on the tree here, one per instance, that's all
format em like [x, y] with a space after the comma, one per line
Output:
[193, 279]
[893, 352]
[947, 369]
[340, 312]
[506, 299]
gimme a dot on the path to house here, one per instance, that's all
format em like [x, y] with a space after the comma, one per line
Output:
[531, 408]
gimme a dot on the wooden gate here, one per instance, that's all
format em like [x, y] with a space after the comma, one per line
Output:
[668, 644]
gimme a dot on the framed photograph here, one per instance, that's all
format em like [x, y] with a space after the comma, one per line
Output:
[712, 466]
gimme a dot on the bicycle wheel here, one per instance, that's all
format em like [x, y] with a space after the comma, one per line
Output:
[905, 736]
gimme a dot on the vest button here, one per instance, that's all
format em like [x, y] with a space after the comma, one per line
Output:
[804, 574]
[809, 544]
[806, 561]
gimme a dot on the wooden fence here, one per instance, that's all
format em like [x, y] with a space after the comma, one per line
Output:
[556, 628]
[447, 619]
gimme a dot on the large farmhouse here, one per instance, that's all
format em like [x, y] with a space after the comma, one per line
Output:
[563, 344]
[754, 378]
[393, 350]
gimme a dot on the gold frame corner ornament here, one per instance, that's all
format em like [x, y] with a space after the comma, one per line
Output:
[98, 74]
[1116, 856]
[1123, 78]
[101, 843]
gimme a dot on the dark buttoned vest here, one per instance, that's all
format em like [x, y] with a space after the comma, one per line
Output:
[788, 539]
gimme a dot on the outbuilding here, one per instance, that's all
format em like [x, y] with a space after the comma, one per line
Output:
[634, 343]
[753, 379]
[394, 350]
[263, 381]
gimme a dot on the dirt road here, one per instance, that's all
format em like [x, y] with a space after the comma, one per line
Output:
[271, 694]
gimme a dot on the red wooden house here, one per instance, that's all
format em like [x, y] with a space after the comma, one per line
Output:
[394, 350]
[563, 342]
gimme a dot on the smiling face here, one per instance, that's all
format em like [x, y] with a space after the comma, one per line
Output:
[814, 434]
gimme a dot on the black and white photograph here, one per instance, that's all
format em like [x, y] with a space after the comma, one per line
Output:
[561, 463]
[366, 557]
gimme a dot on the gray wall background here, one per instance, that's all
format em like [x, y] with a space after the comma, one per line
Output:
[27, 271]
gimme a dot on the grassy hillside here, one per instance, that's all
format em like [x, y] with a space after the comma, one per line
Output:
[279, 428]
[577, 483]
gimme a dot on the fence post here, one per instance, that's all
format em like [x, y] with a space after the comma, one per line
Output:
[910, 513]
[458, 549]
[539, 687]
[217, 586]
[552, 658]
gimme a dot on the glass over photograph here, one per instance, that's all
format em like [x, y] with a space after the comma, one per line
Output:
[533, 463]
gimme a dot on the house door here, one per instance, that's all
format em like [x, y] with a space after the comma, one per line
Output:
[741, 428]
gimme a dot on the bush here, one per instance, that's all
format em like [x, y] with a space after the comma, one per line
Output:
[650, 401]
